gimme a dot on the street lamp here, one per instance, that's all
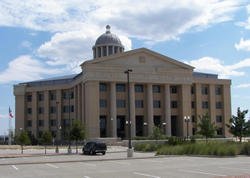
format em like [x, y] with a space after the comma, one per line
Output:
[130, 149]
[57, 149]
[187, 119]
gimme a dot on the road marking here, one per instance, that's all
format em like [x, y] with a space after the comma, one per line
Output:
[14, 167]
[154, 161]
[200, 172]
[147, 175]
[88, 164]
[51, 165]
[86, 177]
[117, 162]
[235, 168]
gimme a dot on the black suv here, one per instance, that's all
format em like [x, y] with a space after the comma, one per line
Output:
[94, 147]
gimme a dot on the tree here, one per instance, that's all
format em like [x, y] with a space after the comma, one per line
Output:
[207, 128]
[238, 126]
[77, 132]
[22, 139]
[157, 134]
[46, 139]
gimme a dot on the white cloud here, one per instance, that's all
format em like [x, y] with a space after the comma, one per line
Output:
[245, 24]
[25, 68]
[72, 48]
[243, 86]
[243, 45]
[213, 65]
[4, 116]
[26, 44]
[158, 21]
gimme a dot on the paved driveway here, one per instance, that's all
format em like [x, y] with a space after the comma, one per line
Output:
[138, 168]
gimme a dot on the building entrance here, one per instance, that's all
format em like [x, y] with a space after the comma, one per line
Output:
[103, 126]
[121, 126]
[157, 121]
[139, 125]
[174, 125]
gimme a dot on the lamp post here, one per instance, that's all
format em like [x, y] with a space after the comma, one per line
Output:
[130, 149]
[187, 119]
[57, 149]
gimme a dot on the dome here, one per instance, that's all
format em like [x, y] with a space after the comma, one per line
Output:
[108, 38]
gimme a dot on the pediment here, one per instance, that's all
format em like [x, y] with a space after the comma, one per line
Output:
[143, 59]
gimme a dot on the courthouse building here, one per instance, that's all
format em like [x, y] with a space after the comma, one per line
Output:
[162, 92]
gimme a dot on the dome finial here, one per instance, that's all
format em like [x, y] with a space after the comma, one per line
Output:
[107, 29]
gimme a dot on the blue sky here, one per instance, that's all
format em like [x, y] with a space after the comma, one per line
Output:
[40, 39]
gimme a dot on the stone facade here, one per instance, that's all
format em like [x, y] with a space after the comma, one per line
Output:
[162, 92]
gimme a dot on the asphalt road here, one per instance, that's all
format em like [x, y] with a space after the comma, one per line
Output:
[136, 168]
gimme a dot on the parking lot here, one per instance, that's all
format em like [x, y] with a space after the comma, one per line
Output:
[183, 166]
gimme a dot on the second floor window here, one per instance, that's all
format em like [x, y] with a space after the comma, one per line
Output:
[173, 89]
[157, 104]
[52, 96]
[52, 109]
[29, 110]
[218, 105]
[53, 122]
[29, 123]
[103, 87]
[41, 123]
[40, 97]
[156, 89]
[193, 104]
[139, 103]
[174, 104]
[40, 110]
[102, 103]
[217, 91]
[68, 109]
[120, 103]
[204, 104]
[204, 90]
[218, 119]
[29, 98]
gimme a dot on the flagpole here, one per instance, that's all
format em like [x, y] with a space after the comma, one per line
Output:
[9, 140]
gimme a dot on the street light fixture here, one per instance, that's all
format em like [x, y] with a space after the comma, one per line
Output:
[187, 120]
[130, 149]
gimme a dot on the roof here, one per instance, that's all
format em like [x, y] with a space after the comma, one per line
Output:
[204, 75]
[66, 79]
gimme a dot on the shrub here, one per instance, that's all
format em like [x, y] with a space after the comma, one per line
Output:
[175, 141]
[148, 147]
[245, 149]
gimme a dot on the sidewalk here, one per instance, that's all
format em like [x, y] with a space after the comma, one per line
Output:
[14, 153]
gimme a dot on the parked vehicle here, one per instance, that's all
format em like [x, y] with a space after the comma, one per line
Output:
[94, 147]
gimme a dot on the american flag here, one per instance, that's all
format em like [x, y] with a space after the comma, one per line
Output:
[10, 113]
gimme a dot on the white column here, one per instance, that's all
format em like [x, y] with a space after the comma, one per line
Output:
[101, 51]
[107, 50]
[150, 114]
[113, 109]
[167, 109]
[132, 108]
[113, 50]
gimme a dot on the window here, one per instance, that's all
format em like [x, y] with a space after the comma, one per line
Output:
[103, 87]
[218, 105]
[52, 109]
[102, 103]
[194, 131]
[204, 104]
[156, 89]
[219, 131]
[173, 89]
[53, 122]
[157, 104]
[193, 104]
[217, 91]
[192, 90]
[29, 110]
[68, 109]
[29, 123]
[52, 96]
[29, 98]
[53, 133]
[139, 103]
[41, 123]
[204, 90]
[40, 97]
[139, 88]
[174, 104]
[40, 110]
[120, 103]
[66, 122]
[218, 118]
[120, 87]
[68, 95]
[193, 118]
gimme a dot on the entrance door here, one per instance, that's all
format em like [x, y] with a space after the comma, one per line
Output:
[157, 121]
[103, 125]
[121, 126]
[139, 125]
[174, 125]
